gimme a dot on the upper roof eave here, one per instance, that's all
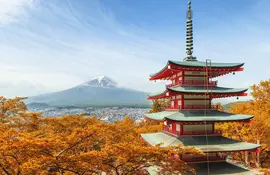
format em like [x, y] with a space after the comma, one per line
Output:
[202, 64]
[197, 64]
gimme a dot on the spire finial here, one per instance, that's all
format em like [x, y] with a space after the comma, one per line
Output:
[189, 39]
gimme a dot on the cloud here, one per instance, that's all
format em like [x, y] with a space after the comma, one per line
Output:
[11, 10]
[66, 42]
[21, 89]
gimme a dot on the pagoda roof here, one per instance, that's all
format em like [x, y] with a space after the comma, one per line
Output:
[198, 116]
[202, 64]
[198, 90]
[198, 64]
[220, 168]
[203, 89]
[216, 168]
[211, 144]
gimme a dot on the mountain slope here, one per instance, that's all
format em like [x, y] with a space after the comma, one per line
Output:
[100, 91]
[229, 105]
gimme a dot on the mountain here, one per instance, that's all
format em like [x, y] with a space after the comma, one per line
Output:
[100, 91]
[101, 81]
[229, 105]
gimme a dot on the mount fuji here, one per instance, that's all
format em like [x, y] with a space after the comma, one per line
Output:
[100, 91]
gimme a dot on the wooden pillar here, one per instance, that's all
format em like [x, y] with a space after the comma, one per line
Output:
[258, 150]
[173, 128]
[181, 129]
[246, 158]
[258, 164]
[232, 156]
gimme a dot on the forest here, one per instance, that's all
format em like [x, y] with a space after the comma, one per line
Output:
[77, 144]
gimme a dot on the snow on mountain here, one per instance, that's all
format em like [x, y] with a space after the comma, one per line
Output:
[100, 91]
[101, 81]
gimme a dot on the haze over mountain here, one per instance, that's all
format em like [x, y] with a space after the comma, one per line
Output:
[100, 91]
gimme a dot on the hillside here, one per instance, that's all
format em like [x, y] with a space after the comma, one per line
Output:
[100, 91]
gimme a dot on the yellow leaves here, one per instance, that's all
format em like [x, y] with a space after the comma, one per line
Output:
[159, 105]
[31, 144]
[259, 130]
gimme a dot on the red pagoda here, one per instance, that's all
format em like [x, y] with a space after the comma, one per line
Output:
[190, 119]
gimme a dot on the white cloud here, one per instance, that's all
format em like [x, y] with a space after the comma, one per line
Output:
[11, 10]
[62, 48]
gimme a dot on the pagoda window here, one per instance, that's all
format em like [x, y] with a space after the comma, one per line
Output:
[172, 103]
[197, 129]
[178, 128]
[179, 102]
[170, 127]
[173, 97]
[179, 74]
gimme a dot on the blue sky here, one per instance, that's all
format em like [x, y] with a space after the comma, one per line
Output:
[51, 45]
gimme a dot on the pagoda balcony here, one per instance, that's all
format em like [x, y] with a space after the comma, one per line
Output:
[170, 108]
[193, 83]
[216, 132]
[194, 159]
[172, 132]
[191, 107]
[168, 130]
[200, 107]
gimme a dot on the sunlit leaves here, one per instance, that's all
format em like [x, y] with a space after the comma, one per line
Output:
[259, 130]
[77, 144]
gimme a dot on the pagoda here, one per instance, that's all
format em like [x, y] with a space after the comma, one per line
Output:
[190, 118]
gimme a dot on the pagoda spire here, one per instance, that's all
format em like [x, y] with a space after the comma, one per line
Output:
[189, 39]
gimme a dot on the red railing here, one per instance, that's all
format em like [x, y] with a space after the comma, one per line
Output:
[170, 108]
[170, 85]
[188, 107]
[204, 158]
[193, 83]
[168, 130]
[217, 132]
[200, 107]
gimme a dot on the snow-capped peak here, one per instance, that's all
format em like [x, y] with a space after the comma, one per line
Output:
[100, 81]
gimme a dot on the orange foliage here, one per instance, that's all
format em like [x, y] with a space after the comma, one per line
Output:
[259, 130]
[76, 144]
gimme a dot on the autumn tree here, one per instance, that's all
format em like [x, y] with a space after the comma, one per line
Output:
[159, 105]
[259, 130]
[78, 144]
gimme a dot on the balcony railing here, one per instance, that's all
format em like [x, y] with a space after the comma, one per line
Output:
[217, 132]
[203, 158]
[200, 107]
[170, 108]
[193, 107]
[168, 130]
[193, 83]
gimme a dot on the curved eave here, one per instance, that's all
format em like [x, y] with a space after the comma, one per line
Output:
[158, 95]
[198, 116]
[215, 143]
[203, 91]
[177, 66]
[201, 64]
[159, 74]
[210, 119]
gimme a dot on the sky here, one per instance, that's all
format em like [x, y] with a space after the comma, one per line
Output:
[52, 45]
